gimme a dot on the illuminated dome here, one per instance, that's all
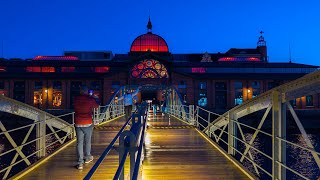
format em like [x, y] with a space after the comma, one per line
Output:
[149, 41]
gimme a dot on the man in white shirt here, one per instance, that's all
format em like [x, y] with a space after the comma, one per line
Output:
[128, 102]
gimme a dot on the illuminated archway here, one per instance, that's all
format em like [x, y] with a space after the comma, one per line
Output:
[149, 68]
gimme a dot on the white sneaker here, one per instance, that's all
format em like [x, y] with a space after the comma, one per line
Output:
[80, 166]
[89, 160]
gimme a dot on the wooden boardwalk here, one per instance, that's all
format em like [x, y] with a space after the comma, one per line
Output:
[173, 150]
[182, 153]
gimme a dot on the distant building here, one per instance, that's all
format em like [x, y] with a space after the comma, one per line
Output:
[217, 81]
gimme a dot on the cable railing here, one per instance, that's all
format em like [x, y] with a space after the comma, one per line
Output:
[114, 108]
[239, 132]
[128, 139]
[176, 107]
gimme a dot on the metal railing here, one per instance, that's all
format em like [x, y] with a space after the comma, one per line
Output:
[177, 108]
[30, 139]
[114, 107]
[230, 129]
[130, 141]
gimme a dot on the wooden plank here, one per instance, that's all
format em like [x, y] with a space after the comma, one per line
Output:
[62, 165]
[184, 154]
[179, 153]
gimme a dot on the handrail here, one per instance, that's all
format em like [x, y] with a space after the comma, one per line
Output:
[106, 152]
[24, 110]
[276, 99]
[179, 109]
[113, 108]
[120, 167]
[113, 96]
[110, 146]
[41, 145]
[138, 159]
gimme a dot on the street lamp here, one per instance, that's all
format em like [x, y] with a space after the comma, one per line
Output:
[46, 91]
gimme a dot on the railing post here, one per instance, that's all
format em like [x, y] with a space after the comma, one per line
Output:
[197, 117]
[278, 131]
[98, 114]
[232, 132]
[208, 121]
[115, 109]
[95, 119]
[41, 136]
[73, 134]
[191, 114]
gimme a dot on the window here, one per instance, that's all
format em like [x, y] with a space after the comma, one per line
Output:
[38, 85]
[202, 85]
[57, 85]
[75, 85]
[203, 101]
[40, 69]
[182, 89]
[56, 98]
[101, 69]
[1, 85]
[74, 91]
[68, 69]
[57, 94]
[19, 91]
[95, 85]
[182, 85]
[220, 86]
[293, 103]
[37, 98]
[255, 88]
[309, 100]
[238, 96]
[3, 69]
[149, 68]
[19, 85]
[115, 84]
[95, 89]
[220, 95]
[272, 85]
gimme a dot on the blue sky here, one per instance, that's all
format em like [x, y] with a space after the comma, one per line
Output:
[49, 27]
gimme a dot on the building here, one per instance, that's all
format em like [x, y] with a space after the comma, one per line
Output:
[216, 81]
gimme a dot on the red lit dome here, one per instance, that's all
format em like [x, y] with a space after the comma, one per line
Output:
[149, 41]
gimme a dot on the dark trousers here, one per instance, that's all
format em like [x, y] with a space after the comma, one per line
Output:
[128, 111]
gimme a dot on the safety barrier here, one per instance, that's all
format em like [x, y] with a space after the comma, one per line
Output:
[32, 141]
[130, 141]
[275, 102]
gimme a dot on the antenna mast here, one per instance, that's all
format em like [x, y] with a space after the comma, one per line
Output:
[2, 48]
[289, 53]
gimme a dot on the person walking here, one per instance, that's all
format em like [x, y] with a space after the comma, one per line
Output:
[155, 106]
[164, 107]
[128, 102]
[83, 108]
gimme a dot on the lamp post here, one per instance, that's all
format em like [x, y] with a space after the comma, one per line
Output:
[46, 91]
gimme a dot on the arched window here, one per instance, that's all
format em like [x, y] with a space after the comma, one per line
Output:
[149, 68]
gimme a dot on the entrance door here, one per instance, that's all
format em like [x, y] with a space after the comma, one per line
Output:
[148, 95]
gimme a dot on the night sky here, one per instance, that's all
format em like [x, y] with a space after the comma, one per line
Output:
[48, 27]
